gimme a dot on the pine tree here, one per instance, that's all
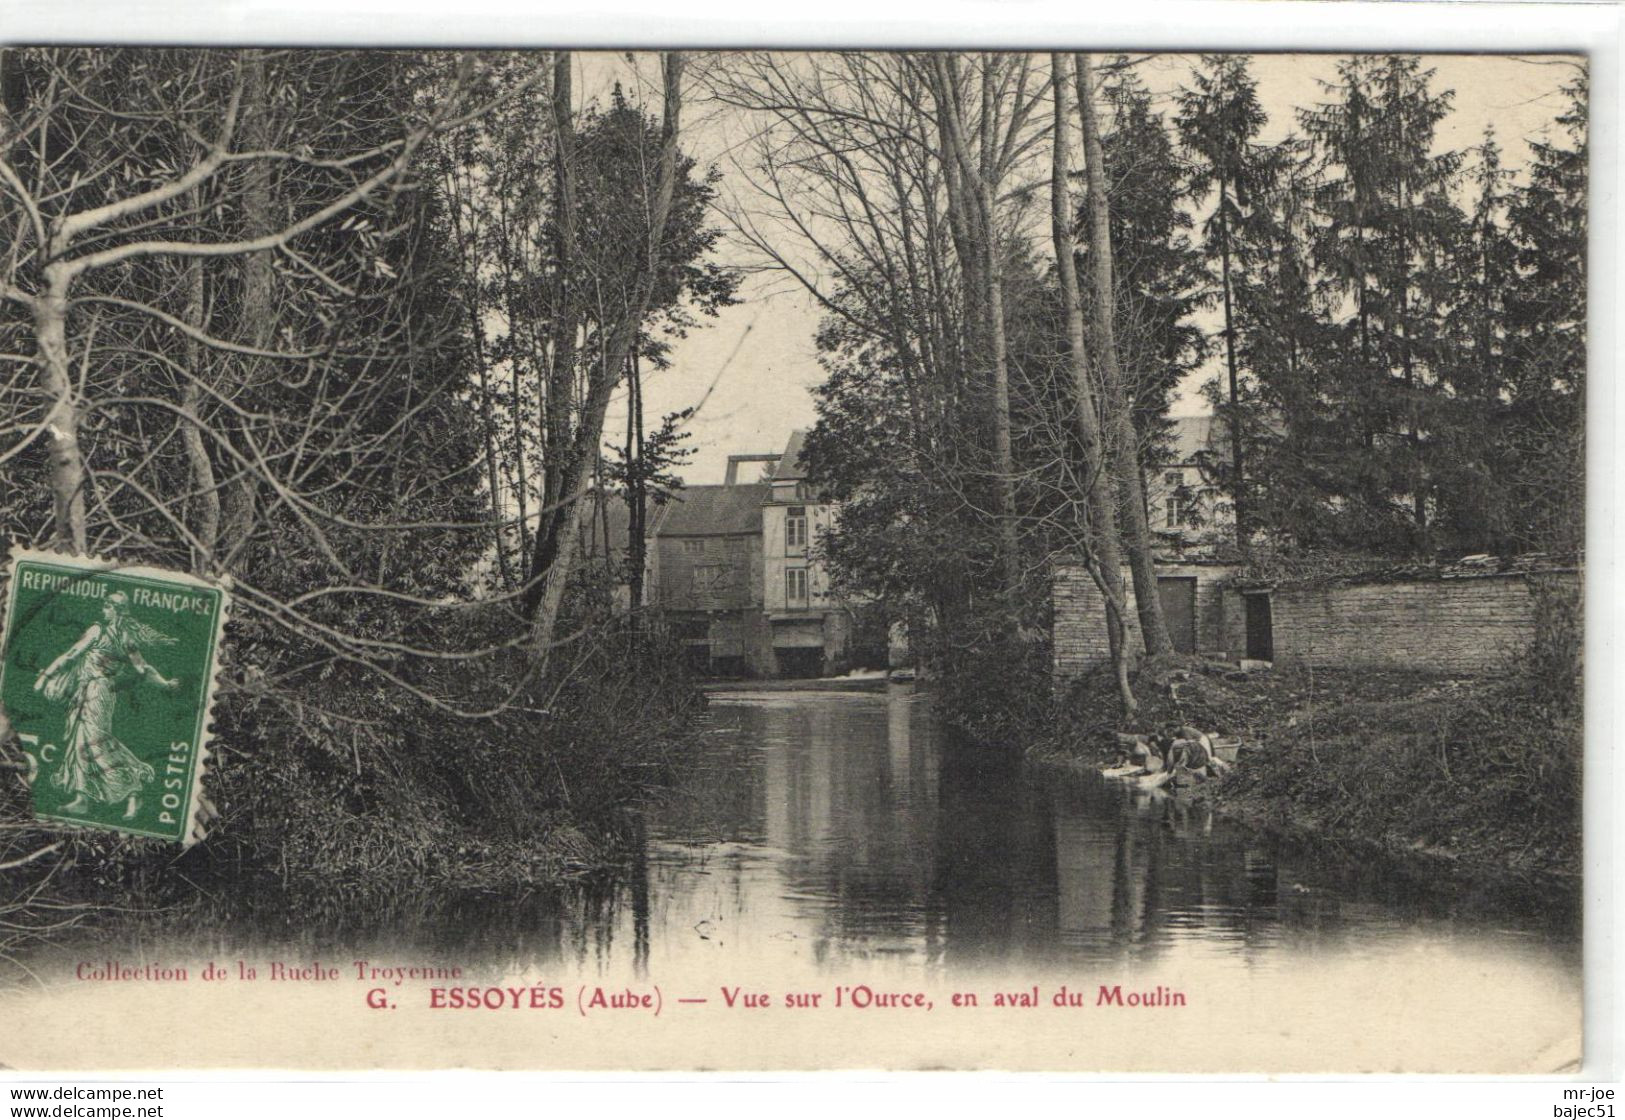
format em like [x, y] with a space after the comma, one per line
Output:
[1284, 340]
[1541, 438]
[1386, 224]
[1218, 121]
[1473, 510]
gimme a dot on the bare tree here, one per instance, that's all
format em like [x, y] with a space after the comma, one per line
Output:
[903, 177]
[848, 199]
[1103, 558]
[617, 333]
[974, 176]
[227, 201]
[1119, 419]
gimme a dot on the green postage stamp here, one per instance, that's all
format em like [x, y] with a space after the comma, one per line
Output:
[107, 677]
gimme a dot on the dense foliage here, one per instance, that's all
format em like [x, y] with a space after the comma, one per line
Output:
[249, 328]
[1397, 329]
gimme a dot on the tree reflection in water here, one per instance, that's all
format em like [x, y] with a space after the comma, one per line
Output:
[830, 830]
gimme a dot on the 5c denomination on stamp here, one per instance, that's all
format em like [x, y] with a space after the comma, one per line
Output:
[107, 673]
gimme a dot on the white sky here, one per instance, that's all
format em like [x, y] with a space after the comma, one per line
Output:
[760, 354]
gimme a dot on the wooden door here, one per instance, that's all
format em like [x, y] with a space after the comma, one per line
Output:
[1260, 628]
[1178, 595]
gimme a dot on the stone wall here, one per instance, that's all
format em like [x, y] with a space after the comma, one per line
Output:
[1079, 619]
[1453, 623]
[1460, 624]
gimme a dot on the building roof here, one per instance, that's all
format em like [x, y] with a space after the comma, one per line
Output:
[694, 511]
[790, 468]
[1193, 437]
[698, 511]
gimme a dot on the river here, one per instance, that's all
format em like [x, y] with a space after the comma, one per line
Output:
[828, 838]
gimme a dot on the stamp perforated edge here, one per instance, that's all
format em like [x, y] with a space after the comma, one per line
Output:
[192, 829]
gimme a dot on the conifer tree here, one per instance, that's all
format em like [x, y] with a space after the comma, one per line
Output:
[1386, 224]
[1159, 273]
[1542, 438]
[1219, 118]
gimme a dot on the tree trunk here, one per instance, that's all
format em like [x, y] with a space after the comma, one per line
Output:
[1131, 487]
[1003, 457]
[62, 421]
[206, 496]
[239, 509]
[468, 240]
[488, 422]
[1238, 479]
[976, 241]
[1106, 559]
[558, 397]
[618, 346]
[637, 489]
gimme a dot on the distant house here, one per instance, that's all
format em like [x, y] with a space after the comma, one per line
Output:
[810, 629]
[706, 568]
[1184, 500]
[734, 570]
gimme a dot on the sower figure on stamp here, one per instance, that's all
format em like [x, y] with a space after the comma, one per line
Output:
[105, 661]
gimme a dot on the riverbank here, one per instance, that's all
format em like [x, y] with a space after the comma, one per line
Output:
[874, 683]
[1480, 773]
[338, 796]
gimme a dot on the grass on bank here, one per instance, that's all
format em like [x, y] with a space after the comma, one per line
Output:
[1483, 770]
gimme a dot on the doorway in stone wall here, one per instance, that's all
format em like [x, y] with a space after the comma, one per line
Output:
[1178, 595]
[1260, 627]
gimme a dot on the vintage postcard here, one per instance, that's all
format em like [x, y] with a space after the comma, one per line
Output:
[792, 560]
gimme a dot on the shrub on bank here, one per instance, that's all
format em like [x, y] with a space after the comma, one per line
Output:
[334, 781]
[1477, 772]
[1488, 769]
[993, 683]
[382, 784]
[1485, 769]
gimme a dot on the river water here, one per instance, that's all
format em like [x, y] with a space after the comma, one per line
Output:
[826, 837]
[850, 826]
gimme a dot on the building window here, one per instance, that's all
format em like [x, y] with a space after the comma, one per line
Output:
[694, 547]
[710, 577]
[795, 586]
[1176, 511]
[795, 528]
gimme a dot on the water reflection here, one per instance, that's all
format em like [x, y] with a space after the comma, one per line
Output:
[845, 828]
[827, 831]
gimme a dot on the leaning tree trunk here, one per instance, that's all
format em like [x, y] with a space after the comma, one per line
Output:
[1131, 487]
[205, 503]
[62, 420]
[1106, 559]
[618, 348]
